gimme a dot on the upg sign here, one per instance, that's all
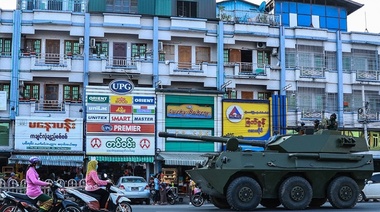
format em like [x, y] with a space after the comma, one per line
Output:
[121, 86]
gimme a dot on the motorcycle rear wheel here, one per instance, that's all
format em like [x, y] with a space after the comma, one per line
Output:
[171, 199]
[9, 208]
[70, 208]
[197, 200]
[124, 205]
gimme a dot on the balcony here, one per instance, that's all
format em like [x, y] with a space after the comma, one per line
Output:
[49, 107]
[48, 61]
[312, 72]
[121, 65]
[248, 17]
[367, 75]
[56, 5]
[247, 70]
[187, 69]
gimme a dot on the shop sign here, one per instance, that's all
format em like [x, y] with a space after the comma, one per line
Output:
[195, 132]
[143, 118]
[120, 145]
[143, 100]
[48, 133]
[121, 100]
[116, 118]
[98, 108]
[93, 117]
[98, 99]
[120, 128]
[190, 111]
[247, 119]
[144, 109]
[120, 86]
[121, 109]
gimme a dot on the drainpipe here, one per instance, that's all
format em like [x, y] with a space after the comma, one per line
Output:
[155, 52]
[16, 40]
[339, 67]
[86, 56]
[220, 63]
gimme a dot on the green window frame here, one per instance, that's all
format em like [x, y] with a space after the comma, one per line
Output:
[72, 47]
[139, 50]
[30, 91]
[71, 92]
[6, 87]
[5, 46]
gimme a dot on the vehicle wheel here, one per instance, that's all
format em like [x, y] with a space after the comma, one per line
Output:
[317, 202]
[70, 208]
[171, 199]
[270, 203]
[360, 197]
[147, 201]
[295, 193]
[343, 192]
[197, 200]
[244, 193]
[124, 206]
[9, 208]
[220, 203]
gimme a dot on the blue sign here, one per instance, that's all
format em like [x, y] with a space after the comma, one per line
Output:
[107, 127]
[121, 86]
[143, 100]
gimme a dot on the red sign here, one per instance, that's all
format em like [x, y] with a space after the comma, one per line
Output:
[127, 109]
[120, 128]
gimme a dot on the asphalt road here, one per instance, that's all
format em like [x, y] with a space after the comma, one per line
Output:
[182, 207]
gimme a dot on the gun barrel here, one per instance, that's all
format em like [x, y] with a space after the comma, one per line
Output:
[211, 138]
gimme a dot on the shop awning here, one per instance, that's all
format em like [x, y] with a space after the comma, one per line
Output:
[49, 160]
[137, 159]
[183, 158]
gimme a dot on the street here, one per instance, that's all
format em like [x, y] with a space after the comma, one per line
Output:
[368, 206]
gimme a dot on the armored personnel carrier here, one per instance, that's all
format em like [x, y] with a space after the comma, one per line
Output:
[297, 171]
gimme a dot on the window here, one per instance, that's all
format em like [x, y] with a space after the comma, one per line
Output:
[32, 45]
[290, 58]
[291, 100]
[30, 91]
[55, 5]
[168, 53]
[77, 6]
[101, 49]
[5, 46]
[71, 93]
[202, 54]
[226, 55]
[263, 58]
[187, 9]
[230, 94]
[72, 47]
[346, 62]
[5, 87]
[139, 51]
[4, 134]
[331, 61]
[264, 95]
[246, 95]
[122, 6]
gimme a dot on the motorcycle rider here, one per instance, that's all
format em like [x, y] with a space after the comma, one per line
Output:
[33, 185]
[93, 184]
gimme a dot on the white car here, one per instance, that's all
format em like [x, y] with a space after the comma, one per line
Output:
[371, 189]
[136, 188]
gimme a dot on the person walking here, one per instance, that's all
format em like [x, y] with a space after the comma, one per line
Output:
[156, 197]
[163, 197]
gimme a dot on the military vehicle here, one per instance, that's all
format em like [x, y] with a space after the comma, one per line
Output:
[297, 171]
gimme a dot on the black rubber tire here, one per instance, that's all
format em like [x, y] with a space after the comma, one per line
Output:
[220, 203]
[147, 201]
[317, 202]
[171, 199]
[295, 193]
[270, 203]
[343, 192]
[244, 194]
[125, 205]
[70, 208]
[197, 200]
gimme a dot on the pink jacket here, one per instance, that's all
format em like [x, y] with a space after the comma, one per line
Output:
[33, 184]
[93, 182]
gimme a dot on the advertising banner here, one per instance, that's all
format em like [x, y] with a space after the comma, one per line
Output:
[48, 133]
[120, 145]
[189, 111]
[249, 119]
[120, 128]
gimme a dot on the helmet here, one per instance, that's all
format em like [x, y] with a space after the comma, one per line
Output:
[302, 123]
[316, 121]
[34, 160]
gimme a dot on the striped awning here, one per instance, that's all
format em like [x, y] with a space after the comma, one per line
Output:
[126, 158]
[49, 160]
[183, 158]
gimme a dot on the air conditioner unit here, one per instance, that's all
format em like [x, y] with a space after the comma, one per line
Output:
[274, 52]
[93, 43]
[160, 46]
[261, 45]
[81, 41]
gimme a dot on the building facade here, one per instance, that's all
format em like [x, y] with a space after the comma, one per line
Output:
[193, 54]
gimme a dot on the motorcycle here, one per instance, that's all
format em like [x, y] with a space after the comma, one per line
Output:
[171, 195]
[199, 198]
[89, 202]
[22, 203]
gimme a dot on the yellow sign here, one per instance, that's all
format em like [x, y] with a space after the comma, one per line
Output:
[121, 100]
[247, 119]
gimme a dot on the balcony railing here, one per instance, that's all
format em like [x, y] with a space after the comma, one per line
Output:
[50, 105]
[368, 75]
[50, 59]
[312, 72]
[248, 17]
[127, 63]
[57, 5]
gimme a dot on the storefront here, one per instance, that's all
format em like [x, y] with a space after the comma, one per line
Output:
[120, 128]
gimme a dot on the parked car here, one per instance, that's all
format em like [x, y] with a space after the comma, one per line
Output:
[136, 188]
[371, 189]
